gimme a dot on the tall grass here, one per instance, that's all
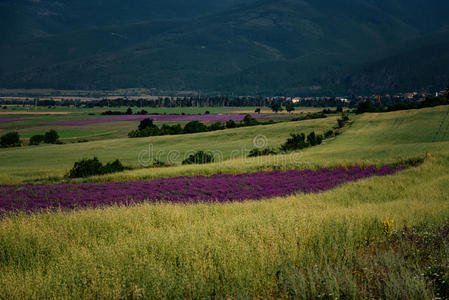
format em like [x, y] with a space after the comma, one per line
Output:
[303, 246]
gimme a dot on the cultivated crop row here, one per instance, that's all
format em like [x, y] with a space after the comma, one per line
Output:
[216, 188]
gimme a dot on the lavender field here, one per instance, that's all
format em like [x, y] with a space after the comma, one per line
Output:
[216, 188]
[213, 118]
[7, 120]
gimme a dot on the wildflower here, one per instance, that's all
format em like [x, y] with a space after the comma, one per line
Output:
[388, 225]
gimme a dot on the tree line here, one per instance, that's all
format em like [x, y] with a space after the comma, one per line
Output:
[218, 101]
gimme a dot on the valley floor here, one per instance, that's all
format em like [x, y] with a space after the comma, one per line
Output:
[382, 237]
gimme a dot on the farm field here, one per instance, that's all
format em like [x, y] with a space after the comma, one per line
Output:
[17, 109]
[70, 121]
[372, 237]
[27, 163]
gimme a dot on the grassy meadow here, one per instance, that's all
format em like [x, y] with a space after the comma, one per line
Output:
[346, 243]
[30, 163]
[38, 120]
[371, 139]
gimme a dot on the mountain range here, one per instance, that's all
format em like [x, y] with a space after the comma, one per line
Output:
[269, 47]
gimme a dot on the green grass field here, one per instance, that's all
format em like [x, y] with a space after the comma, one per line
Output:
[36, 118]
[29, 163]
[159, 110]
[373, 138]
[327, 245]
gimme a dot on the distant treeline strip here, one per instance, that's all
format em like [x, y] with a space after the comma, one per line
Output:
[370, 107]
[180, 102]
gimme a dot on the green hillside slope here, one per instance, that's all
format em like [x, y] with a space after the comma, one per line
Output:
[373, 138]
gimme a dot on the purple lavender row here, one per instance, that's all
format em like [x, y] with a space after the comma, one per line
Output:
[216, 188]
[216, 118]
[4, 120]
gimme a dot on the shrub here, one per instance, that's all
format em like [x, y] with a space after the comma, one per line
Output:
[207, 112]
[194, 127]
[249, 121]
[258, 152]
[142, 112]
[149, 131]
[113, 167]
[295, 142]
[10, 139]
[112, 113]
[216, 126]
[318, 115]
[329, 134]
[231, 124]
[146, 123]
[86, 168]
[129, 111]
[343, 121]
[91, 167]
[134, 134]
[51, 137]
[36, 139]
[174, 129]
[314, 139]
[200, 157]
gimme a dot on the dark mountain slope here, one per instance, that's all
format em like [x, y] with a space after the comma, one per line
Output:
[23, 20]
[425, 67]
[270, 46]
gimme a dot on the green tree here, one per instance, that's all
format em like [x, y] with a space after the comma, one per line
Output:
[51, 137]
[91, 167]
[36, 139]
[295, 142]
[200, 157]
[146, 123]
[314, 139]
[289, 108]
[249, 121]
[367, 106]
[86, 168]
[194, 127]
[216, 126]
[231, 124]
[10, 139]
[167, 129]
[276, 107]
